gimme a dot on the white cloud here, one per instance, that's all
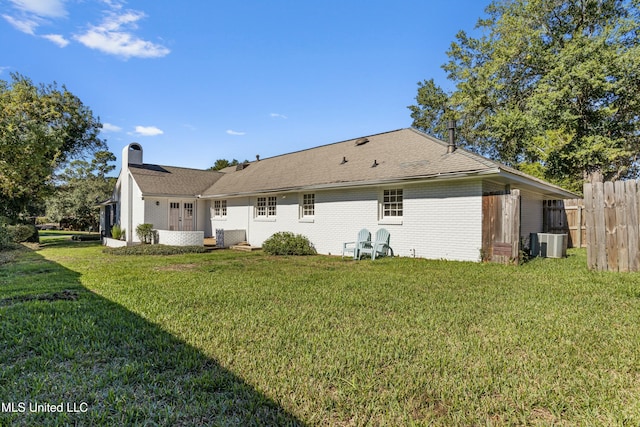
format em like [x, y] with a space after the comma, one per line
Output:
[43, 8]
[108, 127]
[57, 39]
[233, 132]
[24, 25]
[148, 131]
[278, 116]
[2, 69]
[114, 36]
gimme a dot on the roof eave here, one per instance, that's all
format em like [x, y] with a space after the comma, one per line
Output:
[550, 190]
[357, 184]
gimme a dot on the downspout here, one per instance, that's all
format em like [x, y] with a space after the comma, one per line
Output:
[248, 219]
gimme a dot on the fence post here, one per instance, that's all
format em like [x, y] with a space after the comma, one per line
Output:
[632, 224]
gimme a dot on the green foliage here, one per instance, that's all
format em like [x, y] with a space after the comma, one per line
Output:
[86, 237]
[547, 83]
[79, 187]
[116, 232]
[23, 233]
[41, 128]
[155, 250]
[286, 243]
[223, 163]
[5, 238]
[145, 233]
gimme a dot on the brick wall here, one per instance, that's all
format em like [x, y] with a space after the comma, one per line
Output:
[181, 238]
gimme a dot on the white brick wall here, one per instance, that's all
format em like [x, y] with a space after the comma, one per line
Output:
[181, 238]
[441, 220]
[156, 215]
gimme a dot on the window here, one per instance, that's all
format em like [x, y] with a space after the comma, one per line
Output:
[392, 203]
[271, 206]
[308, 207]
[219, 208]
[266, 207]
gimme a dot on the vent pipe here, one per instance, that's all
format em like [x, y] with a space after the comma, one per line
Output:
[451, 147]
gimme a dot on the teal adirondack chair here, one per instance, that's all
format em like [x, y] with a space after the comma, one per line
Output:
[354, 247]
[379, 247]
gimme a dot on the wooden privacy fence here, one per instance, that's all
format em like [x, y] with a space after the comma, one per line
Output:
[611, 211]
[501, 228]
[566, 217]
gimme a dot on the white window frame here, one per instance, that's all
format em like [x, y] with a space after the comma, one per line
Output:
[391, 206]
[307, 207]
[219, 208]
[266, 208]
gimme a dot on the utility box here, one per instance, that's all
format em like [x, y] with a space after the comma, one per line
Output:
[548, 245]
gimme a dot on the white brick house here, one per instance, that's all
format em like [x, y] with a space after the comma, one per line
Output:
[427, 196]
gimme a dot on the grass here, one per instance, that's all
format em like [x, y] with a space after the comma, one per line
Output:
[228, 338]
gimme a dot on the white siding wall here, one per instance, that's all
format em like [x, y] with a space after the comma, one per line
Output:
[441, 220]
[530, 214]
[203, 221]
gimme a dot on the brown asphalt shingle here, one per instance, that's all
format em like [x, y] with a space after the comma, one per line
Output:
[172, 181]
[400, 154]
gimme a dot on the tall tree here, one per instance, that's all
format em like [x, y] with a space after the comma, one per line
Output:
[41, 129]
[550, 87]
[79, 187]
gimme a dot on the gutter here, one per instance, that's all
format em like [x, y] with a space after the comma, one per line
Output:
[359, 184]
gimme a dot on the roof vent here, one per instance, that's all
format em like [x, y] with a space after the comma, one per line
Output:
[344, 160]
[375, 163]
[242, 166]
[361, 141]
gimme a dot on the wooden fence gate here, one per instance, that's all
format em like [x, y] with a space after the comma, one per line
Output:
[611, 210]
[501, 228]
[566, 217]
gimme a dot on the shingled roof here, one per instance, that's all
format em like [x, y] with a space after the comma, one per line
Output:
[404, 154]
[155, 180]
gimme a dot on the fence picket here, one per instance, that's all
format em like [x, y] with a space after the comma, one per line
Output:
[632, 224]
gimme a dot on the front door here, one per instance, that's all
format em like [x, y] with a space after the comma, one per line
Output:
[181, 216]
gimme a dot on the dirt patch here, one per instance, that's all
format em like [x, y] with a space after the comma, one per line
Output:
[65, 295]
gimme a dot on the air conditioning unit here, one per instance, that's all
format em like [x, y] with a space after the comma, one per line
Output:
[548, 245]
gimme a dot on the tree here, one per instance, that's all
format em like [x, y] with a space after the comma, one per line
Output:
[41, 129]
[223, 163]
[79, 187]
[550, 87]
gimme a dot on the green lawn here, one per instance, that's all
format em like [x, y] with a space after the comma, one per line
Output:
[228, 338]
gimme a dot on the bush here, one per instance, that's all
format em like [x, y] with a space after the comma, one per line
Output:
[116, 232]
[5, 239]
[155, 250]
[146, 233]
[23, 233]
[286, 243]
[86, 237]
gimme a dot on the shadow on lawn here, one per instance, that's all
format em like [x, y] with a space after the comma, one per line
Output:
[64, 347]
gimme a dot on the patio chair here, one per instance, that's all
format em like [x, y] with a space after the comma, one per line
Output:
[354, 247]
[379, 247]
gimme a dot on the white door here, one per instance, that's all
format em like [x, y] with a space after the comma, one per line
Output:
[181, 216]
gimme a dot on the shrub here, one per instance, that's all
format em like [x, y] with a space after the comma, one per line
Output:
[155, 250]
[116, 232]
[86, 237]
[146, 233]
[23, 233]
[286, 243]
[5, 239]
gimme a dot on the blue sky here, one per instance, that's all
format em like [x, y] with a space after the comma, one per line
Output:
[195, 81]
